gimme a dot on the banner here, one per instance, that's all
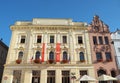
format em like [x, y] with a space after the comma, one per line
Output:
[43, 52]
[58, 52]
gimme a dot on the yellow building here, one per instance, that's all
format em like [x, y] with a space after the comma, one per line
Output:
[48, 51]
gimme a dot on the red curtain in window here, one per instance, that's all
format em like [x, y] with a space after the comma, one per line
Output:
[43, 51]
[58, 52]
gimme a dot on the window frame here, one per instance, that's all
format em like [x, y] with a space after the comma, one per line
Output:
[80, 40]
[52, 38]
[23, 39]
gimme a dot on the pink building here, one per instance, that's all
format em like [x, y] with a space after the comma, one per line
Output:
[102, 48]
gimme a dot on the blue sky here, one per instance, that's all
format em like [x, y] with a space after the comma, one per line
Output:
[78, 10]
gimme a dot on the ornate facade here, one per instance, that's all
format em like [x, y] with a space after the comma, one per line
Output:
[102, 48]
[116, 41]
[48, 51]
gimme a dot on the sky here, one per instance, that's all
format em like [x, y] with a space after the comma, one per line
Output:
[78, 10]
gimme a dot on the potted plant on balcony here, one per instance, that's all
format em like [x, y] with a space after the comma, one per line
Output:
[108, 60]
[18, 61]
[99, 60]
[64, 61]
[82, 60]
[51, 61]
[37, 61]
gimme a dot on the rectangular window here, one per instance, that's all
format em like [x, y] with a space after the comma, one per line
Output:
[100, 40]
[39, 38]
[99, 56]
[35, 76]
[80, 41]
[22, 39]
[108, 56]
[51, 76]
[94, 40]
[64, 39]
[51, 39]
[118, 49]
[83, 72]
[106, 40]
[65, 77]
[17, 76]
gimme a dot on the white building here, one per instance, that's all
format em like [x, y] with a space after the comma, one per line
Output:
[116, 41]
[48, 51]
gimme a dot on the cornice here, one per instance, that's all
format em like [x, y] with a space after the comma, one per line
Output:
[49, 27]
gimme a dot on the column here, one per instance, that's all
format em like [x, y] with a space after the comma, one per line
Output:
[45, 41]
[28, 76]
[43, 77]
[71, 47]
[58, 76]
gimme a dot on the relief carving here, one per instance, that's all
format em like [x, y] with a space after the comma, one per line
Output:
[99, 48]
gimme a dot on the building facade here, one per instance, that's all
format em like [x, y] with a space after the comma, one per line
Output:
[3, 55]
[116, 41]
[48, 51]
[102, 48]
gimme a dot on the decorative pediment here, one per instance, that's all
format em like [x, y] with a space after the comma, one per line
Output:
[97, 25]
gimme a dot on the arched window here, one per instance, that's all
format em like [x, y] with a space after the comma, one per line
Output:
[20, 55]
[51, 55]
[101, 72]
[64, 55]
[81, 54]
[113, 73]
[37, 55]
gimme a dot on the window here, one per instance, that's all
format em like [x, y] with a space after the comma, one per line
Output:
[39, 38]
[37, 55]
[51, 39]
[64, 55]
[106, 40]
[108, 56]
[20, 55]
[16, 76]
[118, 49]
[51, 76]
[81, 54]
[100, 40]
[35, 76]
[94, 40]
[22, 39]
[80, 41]
[83, 72]
[65, 77]
[51, 55]
[64, 39]
[99, 56]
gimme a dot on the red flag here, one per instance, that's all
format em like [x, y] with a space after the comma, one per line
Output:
[58, 52]
[43, 50]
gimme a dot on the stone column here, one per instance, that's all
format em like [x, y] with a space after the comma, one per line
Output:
[27, 76]
[43, 77]
[58, 76]
[45, 41]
